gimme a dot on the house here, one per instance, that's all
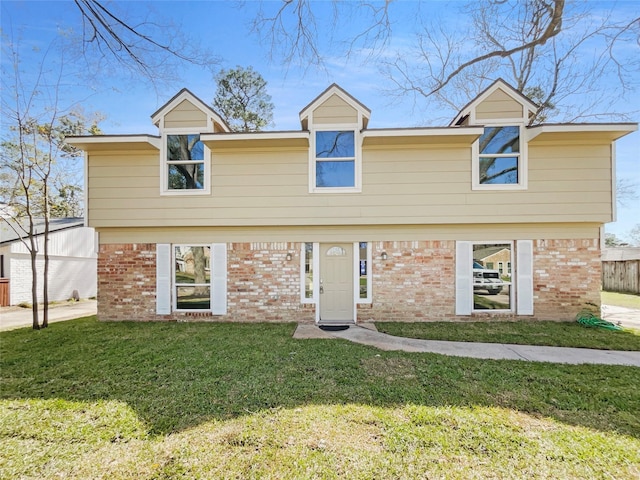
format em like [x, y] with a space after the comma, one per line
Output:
[72, 261]
[494, 258]
[339, 222]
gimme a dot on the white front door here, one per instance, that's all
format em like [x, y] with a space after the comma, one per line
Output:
[336, 283]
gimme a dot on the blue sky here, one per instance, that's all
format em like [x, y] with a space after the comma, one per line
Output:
[224, 29]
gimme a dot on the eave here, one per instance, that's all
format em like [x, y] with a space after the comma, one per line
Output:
[421, 136]
[583, 133]
[239, 141]
[115, 143]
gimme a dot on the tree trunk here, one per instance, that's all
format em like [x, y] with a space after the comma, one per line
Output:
[45, 278]
[34, 288]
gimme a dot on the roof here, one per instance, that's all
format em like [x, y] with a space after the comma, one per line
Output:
[486, 252]
[9, 235]
[620, 254]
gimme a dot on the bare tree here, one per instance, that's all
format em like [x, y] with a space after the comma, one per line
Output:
[545, 48]
[146, 47]
[33, 144]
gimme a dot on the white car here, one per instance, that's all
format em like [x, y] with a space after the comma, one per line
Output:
[486, 279]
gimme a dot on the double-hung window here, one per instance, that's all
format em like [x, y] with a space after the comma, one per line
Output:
[499, 160]
[335, 161]
[185, 165]
[192, 277]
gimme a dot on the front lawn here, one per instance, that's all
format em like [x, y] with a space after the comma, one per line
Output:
[84, 399]
[554, 334]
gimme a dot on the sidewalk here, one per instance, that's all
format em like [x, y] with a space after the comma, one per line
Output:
[18, 317]
[367, 334]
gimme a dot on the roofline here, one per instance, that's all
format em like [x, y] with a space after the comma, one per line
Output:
[422, 131]
[274, 135]
[66, 227]
[622, 128]
[153, 140]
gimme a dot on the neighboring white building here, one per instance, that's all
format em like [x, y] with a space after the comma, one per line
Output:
[72, 261]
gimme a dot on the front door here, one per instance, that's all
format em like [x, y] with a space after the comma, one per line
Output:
[336, 283]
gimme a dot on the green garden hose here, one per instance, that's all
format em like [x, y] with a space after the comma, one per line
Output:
[587, 318]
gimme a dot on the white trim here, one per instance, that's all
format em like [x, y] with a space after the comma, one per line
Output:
[618, 129]
[184, 94]
[328, 93]
[164, 282]
[110, 139]
[524, 277]
[218, 282]
[523, 164]
[464, 278]
[614, 185]
[423, 132]
[222, 137]
[316, 282]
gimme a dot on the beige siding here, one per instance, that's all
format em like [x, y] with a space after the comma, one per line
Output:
[401, 186]
[185, 115]
[335, 110]
[499, 105]
[491, 232]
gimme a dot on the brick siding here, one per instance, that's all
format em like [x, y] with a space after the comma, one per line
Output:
[415, 283]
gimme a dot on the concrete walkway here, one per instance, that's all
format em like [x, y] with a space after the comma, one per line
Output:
[18, 317]
[367, 334]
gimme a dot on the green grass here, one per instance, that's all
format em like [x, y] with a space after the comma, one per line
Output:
[620, 299]
[555, 334]
[84, 399]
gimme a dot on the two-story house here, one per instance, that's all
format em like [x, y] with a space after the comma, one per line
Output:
[338, 222]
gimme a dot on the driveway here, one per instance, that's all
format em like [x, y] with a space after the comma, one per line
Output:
[18, 317]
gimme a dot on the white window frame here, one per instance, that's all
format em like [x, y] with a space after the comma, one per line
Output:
[357, 174]
[174, 294]
[523, 177]
[164, 165]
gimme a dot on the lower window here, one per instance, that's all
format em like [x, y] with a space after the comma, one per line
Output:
[491, 287]
[192, 277]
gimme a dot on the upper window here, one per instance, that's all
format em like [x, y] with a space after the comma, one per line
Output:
[499, 160]
[185, 167]
[335, 160]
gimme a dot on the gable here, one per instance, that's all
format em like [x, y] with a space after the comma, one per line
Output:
[499, 105]
[185, 115]
[334, 106]
[335, 110]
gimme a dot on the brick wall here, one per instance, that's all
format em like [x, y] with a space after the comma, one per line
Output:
[127, 282]
[263, 286]
[415, 283]
[566, 277]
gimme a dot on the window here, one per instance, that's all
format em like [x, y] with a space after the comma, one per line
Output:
[364, 274]
[308, 270]
[481, 289]
[186, 165]
[192, 277]
[490, 291]
[499, 158]
[335, 160]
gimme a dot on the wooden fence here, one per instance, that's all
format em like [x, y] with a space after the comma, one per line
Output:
[4, 292]
[621, 276]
